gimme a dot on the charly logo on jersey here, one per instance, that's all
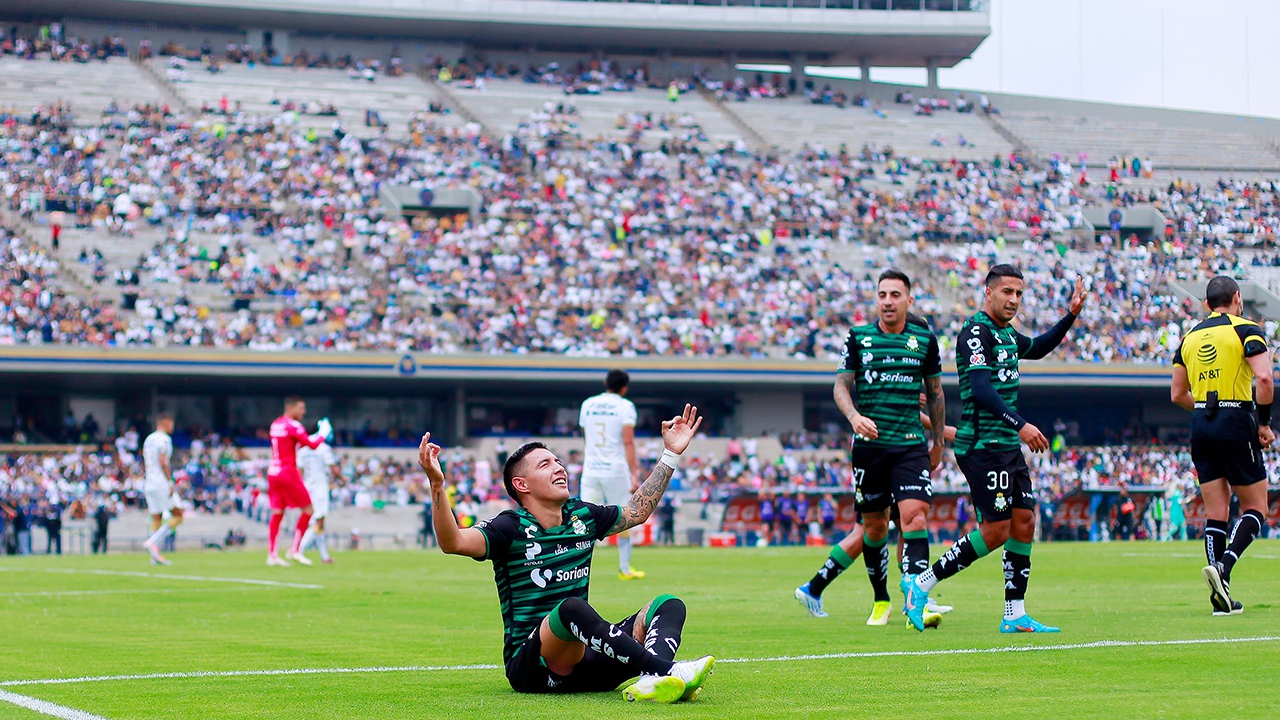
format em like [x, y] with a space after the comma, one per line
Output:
[913, 343]
[531, 551]
[866, 342]
[530, 531]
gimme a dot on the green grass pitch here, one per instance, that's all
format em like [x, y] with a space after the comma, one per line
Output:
[76, 617]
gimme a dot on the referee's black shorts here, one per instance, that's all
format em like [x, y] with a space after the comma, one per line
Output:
[1239, 461]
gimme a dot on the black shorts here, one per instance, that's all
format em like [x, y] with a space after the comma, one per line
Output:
[883, 476]
[1239, 461]
[527, 671]
[999, 481]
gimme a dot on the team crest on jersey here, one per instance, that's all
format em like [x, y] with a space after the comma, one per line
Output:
[913, 343]
[1001, 503]
[578, 527]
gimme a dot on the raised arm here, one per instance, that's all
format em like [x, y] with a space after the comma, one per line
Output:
[1044, 344]
[677, 433]
[452, 539]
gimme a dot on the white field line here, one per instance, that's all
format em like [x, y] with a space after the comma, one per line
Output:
[58, 593]
[47, 708]
[1252, 556]
[780, 658]
[196, 578]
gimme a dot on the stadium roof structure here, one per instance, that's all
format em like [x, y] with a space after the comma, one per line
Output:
[902, 33]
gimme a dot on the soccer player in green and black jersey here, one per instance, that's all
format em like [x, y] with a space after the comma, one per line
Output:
[554, 642]
[988, 447]
[882, 368]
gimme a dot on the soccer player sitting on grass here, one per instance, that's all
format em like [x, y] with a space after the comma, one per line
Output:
[554, 642]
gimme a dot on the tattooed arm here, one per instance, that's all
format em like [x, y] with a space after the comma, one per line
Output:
[676, 435]
[936, 404]
[452, 539]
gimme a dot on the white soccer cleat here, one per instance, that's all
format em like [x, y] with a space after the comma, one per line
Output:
[276, 561]
[694, 674]
[811, 603]
[933, 607]
[299, 558]
[664, 689]
[156, 557]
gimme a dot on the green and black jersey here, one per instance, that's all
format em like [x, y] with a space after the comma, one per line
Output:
[889, 369]
[536, 567]
[983, 345]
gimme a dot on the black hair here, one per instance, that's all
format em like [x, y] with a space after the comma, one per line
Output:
[895, 274]
[617, 380]
[1221, 291]
[1003, 270]
[512, 466]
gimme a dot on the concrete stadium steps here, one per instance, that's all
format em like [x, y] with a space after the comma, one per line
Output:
[395, 98]
[788, 124]
[505, 104]
[1166, 146]
[89, 87]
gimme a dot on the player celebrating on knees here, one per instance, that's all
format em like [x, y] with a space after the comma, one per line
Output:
[1213, 377]
[317, 467]
[158, 487]
[988, 450]
[554, 642]
[609, 470]
[284, 485]
[882, 367]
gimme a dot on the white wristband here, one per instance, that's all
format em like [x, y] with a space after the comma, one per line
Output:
[670, 459]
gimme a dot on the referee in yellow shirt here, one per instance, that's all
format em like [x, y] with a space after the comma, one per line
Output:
[1214, 373]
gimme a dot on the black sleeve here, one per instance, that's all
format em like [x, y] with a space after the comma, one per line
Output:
[498, 533]
[1177, 355]
[1044, 344]
[988, 399]
[932, 358]
[1252, 340]
[849, 361]
[604, 517]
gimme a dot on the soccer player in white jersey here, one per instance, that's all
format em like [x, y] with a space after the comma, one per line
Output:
[158, 486]
[317, 467]
[609, 470]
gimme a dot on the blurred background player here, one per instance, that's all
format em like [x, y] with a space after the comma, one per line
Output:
[554, 642]
[158, 486]
[284, 484]
[1214, 372]
[883, 366]
[988, 447]
[609, 470]
[317, 466]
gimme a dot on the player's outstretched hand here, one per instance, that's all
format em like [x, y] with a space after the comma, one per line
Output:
[1078, 297]
[678, 432]
[1266, 436]
[865, 427]
[429, 461]
[1031, 435]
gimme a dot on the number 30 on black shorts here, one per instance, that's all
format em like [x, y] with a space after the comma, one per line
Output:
[999, 481]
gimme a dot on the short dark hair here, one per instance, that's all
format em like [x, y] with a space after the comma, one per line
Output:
[616, 380]
[292, 400]
[511, 468]
[1221, 291]
[894, 274]
[161, 417]
[1003, 270]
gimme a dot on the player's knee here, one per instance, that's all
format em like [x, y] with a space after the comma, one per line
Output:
[875, 527]
[913, 522]
[995, 534]
[574, 609]
[664, 603]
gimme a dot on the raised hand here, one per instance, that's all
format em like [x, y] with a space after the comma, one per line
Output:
[1078, 297]
[678, 432]
[429, 461]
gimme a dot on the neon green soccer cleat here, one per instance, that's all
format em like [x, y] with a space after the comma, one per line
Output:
[664, 689]
[694, 673]
[880, 613]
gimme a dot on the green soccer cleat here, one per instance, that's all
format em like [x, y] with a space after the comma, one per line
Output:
[694, 674]
[880, 613]
[1026, 624]
[664, 689]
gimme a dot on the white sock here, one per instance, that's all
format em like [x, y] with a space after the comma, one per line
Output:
[1014, 609]
[322, 544]
[926, 580]
[624, 555]
[307, 537]
[158, 536]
